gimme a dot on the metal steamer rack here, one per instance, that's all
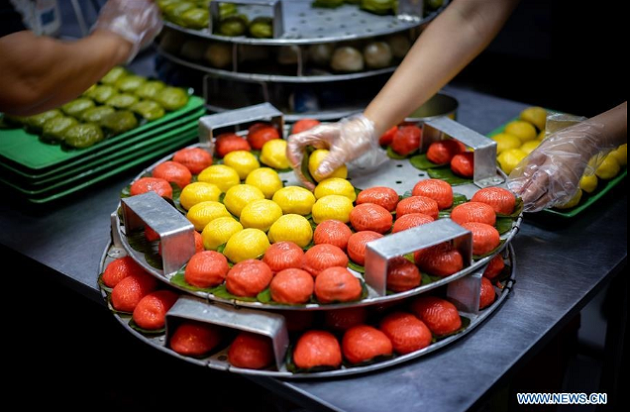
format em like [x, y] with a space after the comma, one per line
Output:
[462, 288]
[296, 24]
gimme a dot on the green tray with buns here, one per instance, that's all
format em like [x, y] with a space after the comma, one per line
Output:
[105, 154]
[180, 138]
[25, 152]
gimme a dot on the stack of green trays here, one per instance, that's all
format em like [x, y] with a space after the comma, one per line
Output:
[41, 172]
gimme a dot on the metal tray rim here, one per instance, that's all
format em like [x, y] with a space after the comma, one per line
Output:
[274, 78]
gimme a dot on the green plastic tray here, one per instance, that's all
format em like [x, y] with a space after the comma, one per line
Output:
[24, 150]
[603, 187]
[168, 131]
[112, 159]
[135, 160]
[184, 135]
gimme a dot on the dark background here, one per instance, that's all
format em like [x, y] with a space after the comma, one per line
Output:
[563, 55]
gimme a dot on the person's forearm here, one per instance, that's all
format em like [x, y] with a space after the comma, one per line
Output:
[615, 126]
[34, 67]
[448, 44]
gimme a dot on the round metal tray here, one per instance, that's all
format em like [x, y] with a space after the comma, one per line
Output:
[219, 361]
[273, 78]
[397, 174]
[304, 24]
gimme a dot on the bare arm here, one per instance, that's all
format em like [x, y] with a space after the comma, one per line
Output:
[40, 73]
[449, 43]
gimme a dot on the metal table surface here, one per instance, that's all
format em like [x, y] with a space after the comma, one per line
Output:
[559, 269]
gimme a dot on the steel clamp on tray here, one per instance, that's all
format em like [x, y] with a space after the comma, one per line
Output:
[174, 230]
[379, 252]
[266, 324]
[485, 150]
[207, 124]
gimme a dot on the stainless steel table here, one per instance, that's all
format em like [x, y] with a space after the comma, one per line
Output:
[560, 267]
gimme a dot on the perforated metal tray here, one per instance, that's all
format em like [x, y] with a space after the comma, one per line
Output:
[400, 175]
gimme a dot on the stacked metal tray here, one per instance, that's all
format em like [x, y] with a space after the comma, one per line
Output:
[41, 172]
[299, 89]
[269, 319]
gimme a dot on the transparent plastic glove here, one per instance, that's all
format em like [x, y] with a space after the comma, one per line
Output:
[352, 139]
[137, 21]
[550, 175]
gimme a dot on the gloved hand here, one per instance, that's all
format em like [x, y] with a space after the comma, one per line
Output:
[137, 21]
[550, 175]
[351, 139]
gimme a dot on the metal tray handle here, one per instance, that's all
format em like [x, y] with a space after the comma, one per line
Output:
[267, 324]
[464, 292]
[207, 124]
[380, 251]
[174, 230]
[485, 150]
[275, 5]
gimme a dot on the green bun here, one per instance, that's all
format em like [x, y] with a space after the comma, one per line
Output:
[235, 25]
[196, 19]
[150, 89]
[36, 122]
[54, 130]
[172, 98]
[130, 83]
[261, 28]
[119, 122]
[96, 114]
[113, 75]
[101, 93]
[77, 106]
[148, 109]
[83, 135]
[122, 101]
